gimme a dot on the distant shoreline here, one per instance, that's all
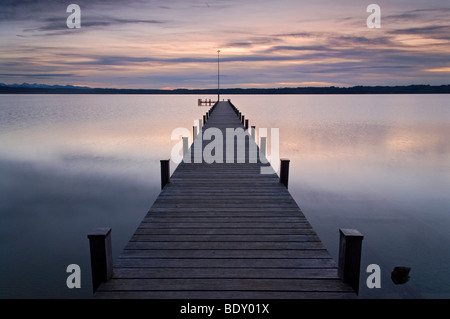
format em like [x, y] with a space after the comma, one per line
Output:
[410, 89]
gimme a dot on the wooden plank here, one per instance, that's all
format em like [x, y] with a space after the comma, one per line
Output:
[228, 295]
[222, 220]
[219, 284]
[224, 245]
[263, 216]
[228, 253]
[168, 210]
[229, 238]
[158, 224]
[268, 273]
[224, 231]
[226, 263]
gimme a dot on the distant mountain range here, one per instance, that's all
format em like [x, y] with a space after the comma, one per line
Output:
[26, 88]
[43, 86]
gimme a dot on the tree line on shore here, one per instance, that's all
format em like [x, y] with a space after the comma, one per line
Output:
[410, 89]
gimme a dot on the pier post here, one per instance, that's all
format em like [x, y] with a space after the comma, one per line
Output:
[350, 243]
[185, 145]
[246, 124]
[262, 145]
[101, 255]
[165, 172]
[284, 172]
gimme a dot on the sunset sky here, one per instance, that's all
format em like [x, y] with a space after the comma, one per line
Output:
[174, 43]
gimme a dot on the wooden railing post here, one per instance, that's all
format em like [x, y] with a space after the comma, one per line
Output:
[165, 172]
[350, 243]
[185, 145]
[101, 255]
[194, 132]
[262, 145]
[284, 172]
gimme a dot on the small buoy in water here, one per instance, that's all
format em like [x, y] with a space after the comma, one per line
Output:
[400, 275]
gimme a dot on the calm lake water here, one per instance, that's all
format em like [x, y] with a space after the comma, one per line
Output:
[70, 163]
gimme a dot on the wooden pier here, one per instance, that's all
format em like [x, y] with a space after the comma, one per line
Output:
[206, 102]
[224, 230]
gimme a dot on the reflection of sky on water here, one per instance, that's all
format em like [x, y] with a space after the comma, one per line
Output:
[46, 215]
[69, 164]
[378, 164]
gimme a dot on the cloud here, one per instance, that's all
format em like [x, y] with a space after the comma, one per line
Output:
[253, 41]
[175, 42]
[431, 31]
[428, 15]
[38, 75]
[89, 23]
[298, 48]
[443, 69]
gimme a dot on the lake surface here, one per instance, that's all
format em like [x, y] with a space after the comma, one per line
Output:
[70, 163]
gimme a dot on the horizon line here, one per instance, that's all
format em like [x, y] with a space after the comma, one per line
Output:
[42, 86]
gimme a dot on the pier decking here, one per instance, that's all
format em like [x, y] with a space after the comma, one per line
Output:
[223, 230]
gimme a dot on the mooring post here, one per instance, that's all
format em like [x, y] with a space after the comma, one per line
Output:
[185, 145]
[350, 243]
[165, 172]
[101, 255]
[262, 145]
[284, 172]
[246, 124]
